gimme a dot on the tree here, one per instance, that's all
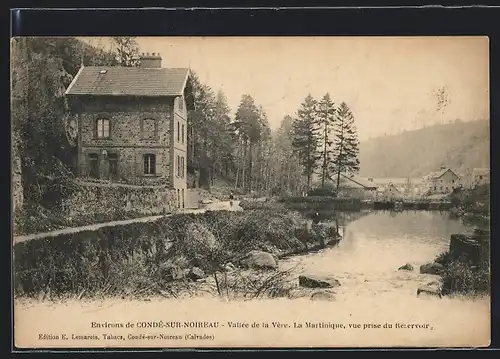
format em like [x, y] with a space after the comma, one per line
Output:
[42, 68]
[442, 100]
[306, 137]
[326, 117]
[248, 126]
[346, 144]
[126, 50]
[222, 139]
[287, 171]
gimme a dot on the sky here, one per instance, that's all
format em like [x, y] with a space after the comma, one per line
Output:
[388, 82]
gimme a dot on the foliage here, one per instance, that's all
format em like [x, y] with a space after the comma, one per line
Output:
[137, 258]
[306, 136]
[345, 154]
[461, 278]
[322, 191]
[42, 68]
[326, 117]
[126, 50]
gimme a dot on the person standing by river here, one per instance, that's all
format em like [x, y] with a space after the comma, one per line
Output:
[231, 198]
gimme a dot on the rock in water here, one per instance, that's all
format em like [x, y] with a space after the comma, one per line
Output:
[429, 290]
[432, 268]
[315, 282]
[196, 273]
[407, 267]
[259, 260]
[323, 295]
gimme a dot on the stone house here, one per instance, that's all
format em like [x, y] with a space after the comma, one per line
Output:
[132, 124]
[390, 192]
[441, 182]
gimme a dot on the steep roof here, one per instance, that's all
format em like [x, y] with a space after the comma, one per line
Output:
[437, 174]
[356, 181]
[128, 81]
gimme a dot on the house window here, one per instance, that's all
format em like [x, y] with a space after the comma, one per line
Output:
[148, 129]
[434, 188]
[179, 198]
[149, 164]
[94, 165]
[181, 103]
[183, 203]
[452, 181]
[178, 131]
[113, 165]
[102, 128]
[182, 167]
[182, 133]
[480, 177]
[178, 166]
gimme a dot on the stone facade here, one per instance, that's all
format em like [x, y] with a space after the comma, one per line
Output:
[444, 183]
[136, 141]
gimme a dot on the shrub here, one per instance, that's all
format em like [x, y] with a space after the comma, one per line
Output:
[461, 278]
[129, 259]
[322, 191]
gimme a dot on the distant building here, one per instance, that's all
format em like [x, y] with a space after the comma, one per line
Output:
[390, 192]
[354, 186]
[443, 181]
[480, 176]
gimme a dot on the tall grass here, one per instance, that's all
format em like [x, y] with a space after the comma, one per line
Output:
[146, 258]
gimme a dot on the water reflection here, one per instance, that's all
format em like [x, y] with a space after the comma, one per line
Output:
[375, 244]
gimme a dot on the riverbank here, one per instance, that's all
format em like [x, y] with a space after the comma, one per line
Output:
[165, 256]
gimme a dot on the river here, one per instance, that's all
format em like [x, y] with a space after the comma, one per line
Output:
[375, 245]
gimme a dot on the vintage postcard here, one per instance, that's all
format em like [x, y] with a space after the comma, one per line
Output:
[201, 192]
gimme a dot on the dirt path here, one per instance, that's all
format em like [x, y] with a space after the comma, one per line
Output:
[216, 206]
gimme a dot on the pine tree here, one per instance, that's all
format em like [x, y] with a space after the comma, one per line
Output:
[326, 118]
[306, 137]
[248, 126]
[346, 144]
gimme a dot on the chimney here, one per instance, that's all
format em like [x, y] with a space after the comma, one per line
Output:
[152, 61]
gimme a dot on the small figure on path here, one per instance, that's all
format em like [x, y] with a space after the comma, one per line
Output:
[231, 198]
[316, 218]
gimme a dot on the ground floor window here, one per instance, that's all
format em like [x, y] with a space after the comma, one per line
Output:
[94, 165]
[178, 198]
[149, 164]
[113, 165]
[183, 200]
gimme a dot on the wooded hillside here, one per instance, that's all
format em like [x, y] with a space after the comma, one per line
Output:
[459, 145]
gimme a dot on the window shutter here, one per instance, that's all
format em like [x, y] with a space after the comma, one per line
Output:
[139, 164]
[159, 164]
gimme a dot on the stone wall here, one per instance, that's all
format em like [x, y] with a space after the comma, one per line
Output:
[94, 199]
